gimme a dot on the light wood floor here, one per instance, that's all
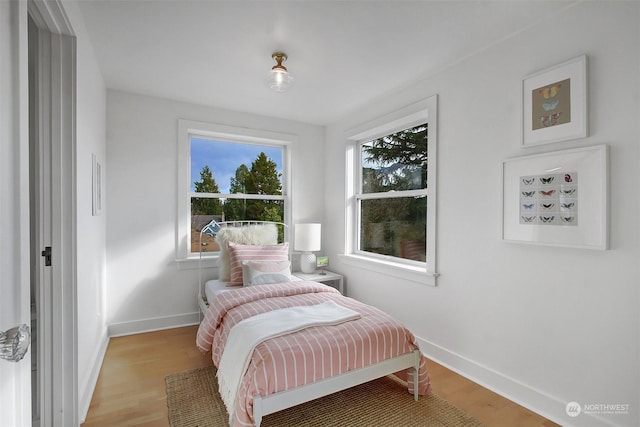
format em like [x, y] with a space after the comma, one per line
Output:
[131, 389]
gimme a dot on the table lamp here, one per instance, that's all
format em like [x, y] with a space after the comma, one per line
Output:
[307, 240]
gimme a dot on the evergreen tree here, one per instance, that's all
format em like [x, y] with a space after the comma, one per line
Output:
[264, 178]
[207, 184]
[399, 155]
[235, 209]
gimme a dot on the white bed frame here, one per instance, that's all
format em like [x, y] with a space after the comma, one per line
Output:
[264, 405]
[285, 399]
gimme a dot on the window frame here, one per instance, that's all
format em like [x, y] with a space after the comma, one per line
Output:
[412, 115]
[241, 135]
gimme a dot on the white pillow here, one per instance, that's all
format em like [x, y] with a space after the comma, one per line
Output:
[256, 234]
[265, 272]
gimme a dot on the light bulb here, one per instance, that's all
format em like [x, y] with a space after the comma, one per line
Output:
[279, 79]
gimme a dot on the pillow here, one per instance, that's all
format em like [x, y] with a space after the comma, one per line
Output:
[256, 234]
[239, 253]
[265, 272]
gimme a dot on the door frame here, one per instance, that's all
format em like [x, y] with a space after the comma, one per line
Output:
[55, 137]
[15, 393]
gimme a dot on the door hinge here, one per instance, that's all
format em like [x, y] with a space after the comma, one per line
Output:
[47, 256]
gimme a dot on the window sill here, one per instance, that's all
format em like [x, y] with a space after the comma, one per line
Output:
[393, 269]
[194, 263]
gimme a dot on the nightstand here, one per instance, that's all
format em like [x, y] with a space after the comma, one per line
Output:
[330, 278]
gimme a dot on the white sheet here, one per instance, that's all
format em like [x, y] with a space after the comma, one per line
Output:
[214, 287]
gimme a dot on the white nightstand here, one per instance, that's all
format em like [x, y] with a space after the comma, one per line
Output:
[330, 278]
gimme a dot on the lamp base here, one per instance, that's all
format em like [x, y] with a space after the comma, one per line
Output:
[307, 262]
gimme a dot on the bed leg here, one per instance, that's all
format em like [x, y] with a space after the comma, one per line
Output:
[257, 411]
[416, 378]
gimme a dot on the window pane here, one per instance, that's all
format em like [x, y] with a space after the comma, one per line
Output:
[394, 227]
[219, 167]
[395, 162]
[203, 210]
[228, 167]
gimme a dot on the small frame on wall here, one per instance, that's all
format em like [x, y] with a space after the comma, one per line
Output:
[96, 180]
[557, 198]
[554, 103]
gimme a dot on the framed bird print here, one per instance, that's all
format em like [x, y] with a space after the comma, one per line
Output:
[554, 103]
[557, 198]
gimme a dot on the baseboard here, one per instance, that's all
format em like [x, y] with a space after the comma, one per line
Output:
[86, 388]
[155, 324]
[535, 400]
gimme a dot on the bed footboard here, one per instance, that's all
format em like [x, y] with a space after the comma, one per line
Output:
[285, 399]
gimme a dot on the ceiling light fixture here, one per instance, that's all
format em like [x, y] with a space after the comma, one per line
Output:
[280, 78]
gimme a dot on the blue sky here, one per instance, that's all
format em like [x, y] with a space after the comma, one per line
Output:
[223, 158]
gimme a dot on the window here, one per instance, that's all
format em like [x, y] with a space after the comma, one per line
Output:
[392, 212]
[392, 201]
[228, 176]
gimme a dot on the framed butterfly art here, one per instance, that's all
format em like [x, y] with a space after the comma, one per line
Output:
[557, 198]
[554, 103]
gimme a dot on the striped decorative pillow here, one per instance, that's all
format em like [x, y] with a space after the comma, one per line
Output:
[239, 253]
[255, 234]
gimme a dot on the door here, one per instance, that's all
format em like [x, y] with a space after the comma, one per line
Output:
[59, 373]
[52, 55]
[15, 377]
[40, 151]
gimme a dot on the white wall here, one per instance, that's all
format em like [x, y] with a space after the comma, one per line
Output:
[147, 288]
[91, 230]
[543, 325]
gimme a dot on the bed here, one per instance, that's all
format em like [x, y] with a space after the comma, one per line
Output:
[292, 365]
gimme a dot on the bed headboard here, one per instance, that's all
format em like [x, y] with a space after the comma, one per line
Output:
[213, 227]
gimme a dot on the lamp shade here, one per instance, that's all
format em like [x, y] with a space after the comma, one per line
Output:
[307, 237]
[279, 79]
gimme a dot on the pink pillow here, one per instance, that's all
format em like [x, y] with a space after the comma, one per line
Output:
[239, 253]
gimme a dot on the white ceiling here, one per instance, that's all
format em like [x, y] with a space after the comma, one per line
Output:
[341, 53]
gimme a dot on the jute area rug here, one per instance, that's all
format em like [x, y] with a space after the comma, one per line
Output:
[193, 401]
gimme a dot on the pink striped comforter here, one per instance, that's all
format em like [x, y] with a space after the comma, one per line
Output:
[305, 356]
